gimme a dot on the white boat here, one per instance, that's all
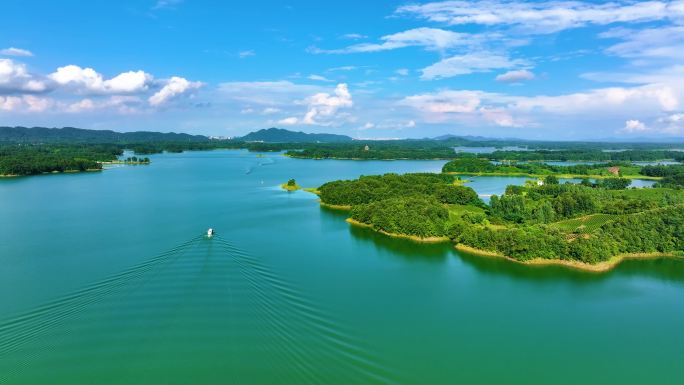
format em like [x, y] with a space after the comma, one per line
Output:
[210, 232]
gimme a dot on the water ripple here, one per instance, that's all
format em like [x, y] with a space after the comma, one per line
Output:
[205, 311]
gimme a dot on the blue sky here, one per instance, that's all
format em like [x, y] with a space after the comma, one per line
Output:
[369, 69]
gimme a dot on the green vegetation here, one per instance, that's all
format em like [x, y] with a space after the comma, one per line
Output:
[480, 166]
[421, 216]
[672, 176]
[291, 185]
[410, 204]
[595, 153]
[584, 225]
[136, 160]
[386, 149]
[37, 159]
[576, 224]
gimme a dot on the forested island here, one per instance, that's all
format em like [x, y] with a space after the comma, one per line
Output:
[290, 185]
[590, 225]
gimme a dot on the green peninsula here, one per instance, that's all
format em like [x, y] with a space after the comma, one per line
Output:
[587, 226]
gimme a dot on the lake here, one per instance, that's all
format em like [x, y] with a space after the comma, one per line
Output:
[107, 278]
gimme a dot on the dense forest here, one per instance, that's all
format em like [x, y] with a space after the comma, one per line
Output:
[386, 149]
[36, 159]
[598, 154]
[412, 204]
[471, 165]
[587, 222]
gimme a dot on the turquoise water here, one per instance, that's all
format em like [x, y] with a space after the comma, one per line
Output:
[106, 278]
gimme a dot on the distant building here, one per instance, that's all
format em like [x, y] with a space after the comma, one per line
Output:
[540, 182]
[614, 170]
[366, 148]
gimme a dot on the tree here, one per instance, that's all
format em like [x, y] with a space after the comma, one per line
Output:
[291, 183]
[551, 179]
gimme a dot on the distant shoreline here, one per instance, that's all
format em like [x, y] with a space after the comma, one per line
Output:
[53, 172]
[561, 176]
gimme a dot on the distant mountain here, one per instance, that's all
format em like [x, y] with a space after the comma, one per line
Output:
[279, 135]
[71, 134]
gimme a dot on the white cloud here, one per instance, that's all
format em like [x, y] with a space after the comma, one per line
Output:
[12, 51]
[653, 98]
[268, 93]
[467, 64]
[10, 103]
[445, 102]
[544, 16]
[289, 121]
[174, 87]
[89, 81]
[128, 82]
[634, 125]
[342, 68]
[166, 4]
[513, 111]
[15, 78]
[367, 126]
[353, 36]
[662, 43]
[323, 106]
[430, 38]
[515, 76]
[270, 111]
[402, 71]
[672, 124]
[318, 78]
[25, 103]
[673, 119]
[81, 106]
[122, 93]
[248, 53]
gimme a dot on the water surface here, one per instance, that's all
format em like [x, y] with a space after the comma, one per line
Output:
[106, 279]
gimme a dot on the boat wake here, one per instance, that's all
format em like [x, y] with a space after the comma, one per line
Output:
[202, 312]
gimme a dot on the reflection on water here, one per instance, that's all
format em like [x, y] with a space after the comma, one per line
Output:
[408, 250]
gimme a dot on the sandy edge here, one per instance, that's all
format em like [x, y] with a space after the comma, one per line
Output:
[287, 188]
[411, 237]
[336, 207]
[53, 172]
[600, 267]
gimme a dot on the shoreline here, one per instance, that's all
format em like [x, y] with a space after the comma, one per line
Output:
[287, 188]
[383, 159]
[335, 207]
[560, 176]
[414, 238]
[122, 162]
[600, 267]
[52, 172]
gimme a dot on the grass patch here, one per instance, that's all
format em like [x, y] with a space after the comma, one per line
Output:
[585, 224]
